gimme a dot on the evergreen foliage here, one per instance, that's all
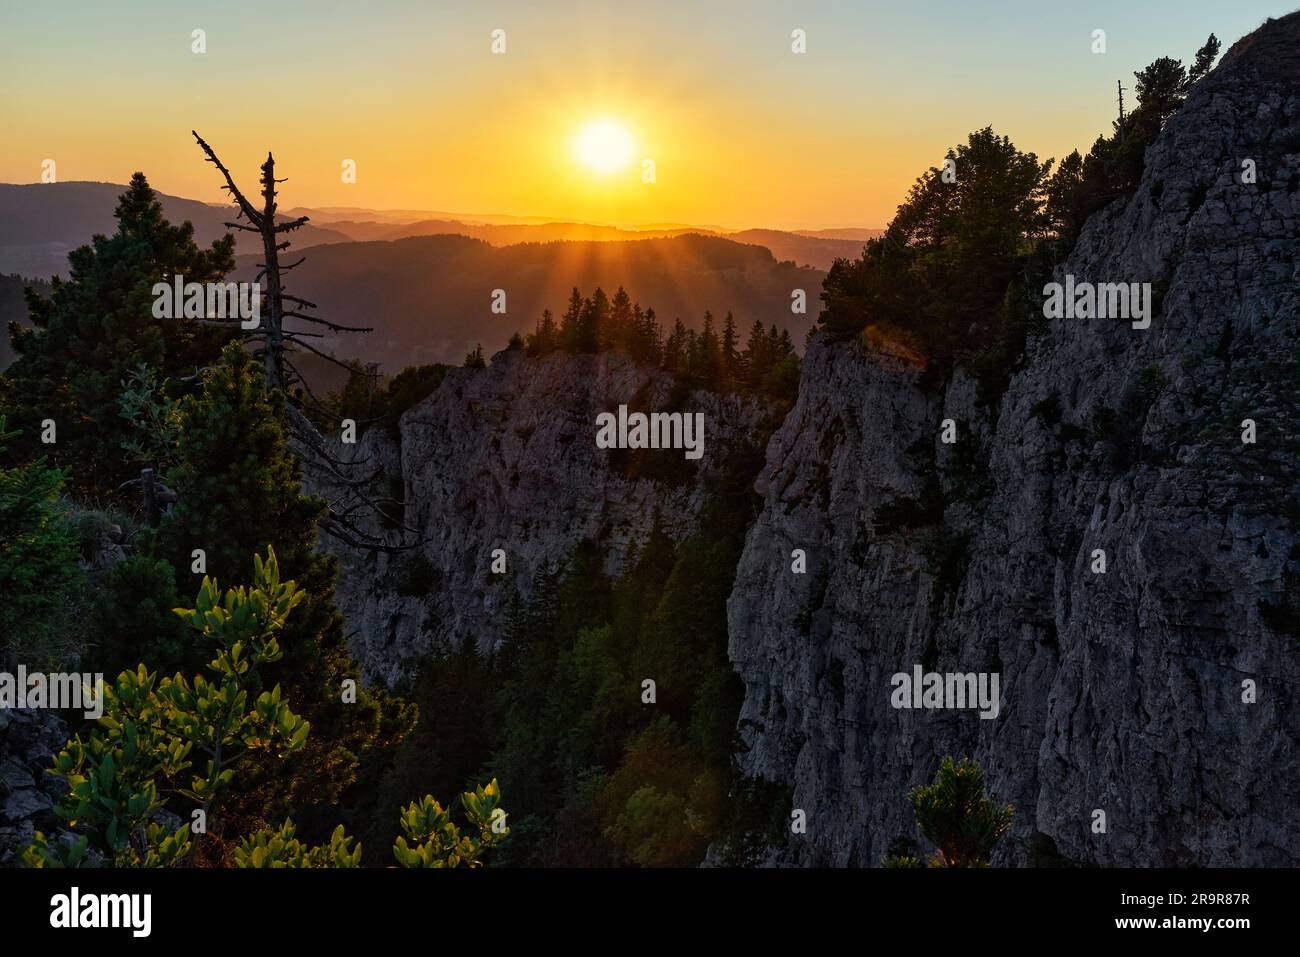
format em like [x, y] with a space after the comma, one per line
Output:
[599, 777]
[952, 277]
[98, 327]
[184, 742]
[958, 817]
[176, 737]
[39, 574]
[238, 492]
[768, 365]
[1114, 165]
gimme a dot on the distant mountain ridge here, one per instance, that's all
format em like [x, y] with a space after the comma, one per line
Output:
[816, 249]
[429, 297]
[40, 223]
[425, 284]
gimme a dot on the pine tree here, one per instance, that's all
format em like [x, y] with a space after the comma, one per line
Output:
[570, 335]
[620, 331]
[650, 338]
[956, 815]
[593, 318]
[711, 366]
[675, 355]
[757, 358]
[546, 339]
[696, 361]
[730, 355]
[238, 492]
[98, 326]
[39, 571]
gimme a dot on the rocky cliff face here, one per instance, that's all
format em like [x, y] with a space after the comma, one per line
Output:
[1121, 691]
[1160, 691]
[506, 458]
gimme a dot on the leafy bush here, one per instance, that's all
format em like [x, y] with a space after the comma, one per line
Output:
[434, 841]
[177, 737]
[184, 741]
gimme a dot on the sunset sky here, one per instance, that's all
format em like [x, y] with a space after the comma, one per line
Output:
[742, 131]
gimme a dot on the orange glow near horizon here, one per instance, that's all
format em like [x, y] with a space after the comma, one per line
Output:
[741, 130]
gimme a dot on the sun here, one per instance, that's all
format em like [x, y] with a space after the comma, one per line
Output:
[603, 146]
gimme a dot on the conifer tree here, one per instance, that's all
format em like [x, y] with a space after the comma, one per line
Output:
[39, 572]
[649, 337]
[99, 325]
[546, 339]
[620, 330]
[730, 355]
[958, 817]
[570, 335]
[711, 367]
[238, 492]
[184, 743]
[592, 318]
[675, 349]
[757, 357]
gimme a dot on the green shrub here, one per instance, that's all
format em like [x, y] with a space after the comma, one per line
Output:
[39, 573]
[956, 815]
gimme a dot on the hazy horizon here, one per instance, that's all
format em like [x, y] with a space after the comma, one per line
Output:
[744, 133]
[409, 214]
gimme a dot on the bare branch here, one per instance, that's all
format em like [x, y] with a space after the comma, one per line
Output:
[333, 530]
[342, 365]
[244, 204]
[307, 433]
[325, 322]
[291, 224]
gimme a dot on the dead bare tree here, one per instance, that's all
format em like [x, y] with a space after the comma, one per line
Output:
[274, 338]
